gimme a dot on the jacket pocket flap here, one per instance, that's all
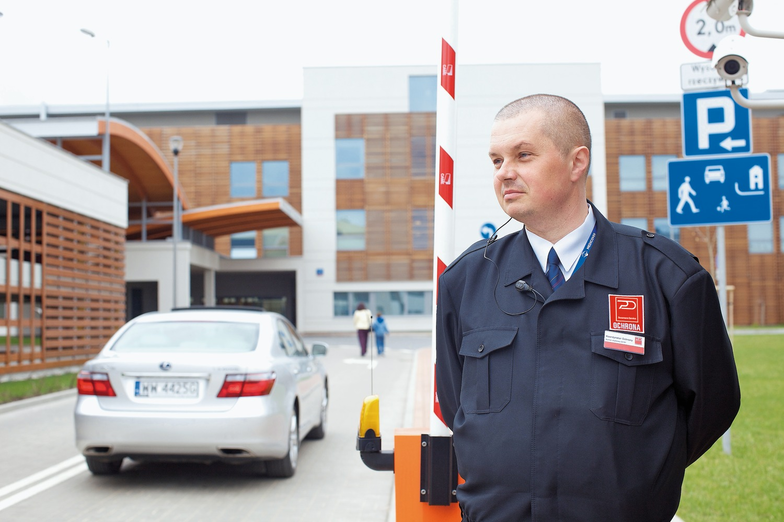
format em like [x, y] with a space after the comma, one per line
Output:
[483, 341]
[652, 355]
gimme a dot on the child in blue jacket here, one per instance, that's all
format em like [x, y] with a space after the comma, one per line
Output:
[380, 329]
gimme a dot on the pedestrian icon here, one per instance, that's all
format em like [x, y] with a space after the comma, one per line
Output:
[685, 192]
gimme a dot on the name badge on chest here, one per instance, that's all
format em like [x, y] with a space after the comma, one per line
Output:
[624, 342]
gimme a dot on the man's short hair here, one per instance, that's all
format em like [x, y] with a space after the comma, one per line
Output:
[565, 124]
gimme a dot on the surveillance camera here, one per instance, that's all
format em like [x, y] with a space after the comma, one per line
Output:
[728, 60]
[722, 10]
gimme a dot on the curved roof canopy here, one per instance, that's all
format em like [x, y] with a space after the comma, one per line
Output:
[136, 158]
[133, 155]
[221, 220]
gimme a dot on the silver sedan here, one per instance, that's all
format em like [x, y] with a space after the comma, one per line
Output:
[202, 385]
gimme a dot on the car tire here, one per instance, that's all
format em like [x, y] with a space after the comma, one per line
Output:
[285, 467]
[99, 466]
[319, 431]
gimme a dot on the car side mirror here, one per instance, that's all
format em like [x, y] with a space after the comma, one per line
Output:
[319, 349]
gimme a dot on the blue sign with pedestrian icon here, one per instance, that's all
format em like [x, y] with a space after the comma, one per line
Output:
[719, 190]
[713, 124]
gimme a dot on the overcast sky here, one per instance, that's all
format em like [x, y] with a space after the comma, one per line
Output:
[255, 50]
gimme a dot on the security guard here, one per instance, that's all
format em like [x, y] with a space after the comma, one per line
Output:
[587, 401]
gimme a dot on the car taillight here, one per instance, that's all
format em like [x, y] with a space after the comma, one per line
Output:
[247, 384]
[94, 383]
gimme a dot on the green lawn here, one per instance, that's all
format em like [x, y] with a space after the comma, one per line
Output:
[15, 390]
[749, 484]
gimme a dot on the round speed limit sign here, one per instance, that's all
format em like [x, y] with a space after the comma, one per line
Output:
[701, 33]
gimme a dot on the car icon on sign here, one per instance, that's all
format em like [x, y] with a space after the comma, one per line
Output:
[714, 173]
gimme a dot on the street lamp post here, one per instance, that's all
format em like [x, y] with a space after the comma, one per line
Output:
[175, 144]
[106, 139]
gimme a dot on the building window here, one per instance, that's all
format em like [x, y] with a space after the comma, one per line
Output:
[275, 242]
[659, 170]
[760, 238]
[243, 245]
[423, 157]
[421, 228]
[231, 118]
[620, 114]
[274, 178]
[780, 170]
[388, 303]
[350, 230]
[641, 223]
[350, 158]
[662, 227]
[632, 173]
[243, 179]
[422, 93]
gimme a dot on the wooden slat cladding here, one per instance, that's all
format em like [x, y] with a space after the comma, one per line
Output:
[204, 165]
[399, 179]
[757, 278]
[62, 285]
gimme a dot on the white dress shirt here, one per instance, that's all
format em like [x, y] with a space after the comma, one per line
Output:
[569, 248]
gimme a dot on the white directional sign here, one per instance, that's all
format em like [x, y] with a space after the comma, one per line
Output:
[701, 76]
[719, 190]
[713, 124]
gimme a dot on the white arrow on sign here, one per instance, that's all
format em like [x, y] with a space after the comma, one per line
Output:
[728, 143]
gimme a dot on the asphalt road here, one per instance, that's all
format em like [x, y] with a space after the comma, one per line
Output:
[44, 478]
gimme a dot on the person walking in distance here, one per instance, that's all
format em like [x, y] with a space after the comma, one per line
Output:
[363, 320]
[380, 329]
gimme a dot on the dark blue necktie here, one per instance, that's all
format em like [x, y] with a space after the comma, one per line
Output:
[554, 273]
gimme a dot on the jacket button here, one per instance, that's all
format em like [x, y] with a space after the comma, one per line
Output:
[628, 356]
[481, 348]
[650, 235]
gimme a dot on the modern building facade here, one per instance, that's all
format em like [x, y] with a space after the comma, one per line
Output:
[347, 178]
[62, 255]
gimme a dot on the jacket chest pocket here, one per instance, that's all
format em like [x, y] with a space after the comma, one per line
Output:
[622, 382]
[487, 369]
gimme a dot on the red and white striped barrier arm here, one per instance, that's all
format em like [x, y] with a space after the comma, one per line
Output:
[444, 213]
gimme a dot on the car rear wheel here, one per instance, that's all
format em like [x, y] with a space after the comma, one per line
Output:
[102, 466]
[319, 431]
[285, 467]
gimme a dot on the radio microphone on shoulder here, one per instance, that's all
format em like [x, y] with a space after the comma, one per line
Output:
[523, 286]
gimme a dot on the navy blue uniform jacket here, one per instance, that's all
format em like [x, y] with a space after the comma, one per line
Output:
[551, 425]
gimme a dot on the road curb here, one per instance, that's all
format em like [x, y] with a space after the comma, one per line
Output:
[33, 401]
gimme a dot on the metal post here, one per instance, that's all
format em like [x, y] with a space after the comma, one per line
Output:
[175, 144]
[106, 161]
[721, 274]
[175, 232]
[106, 146]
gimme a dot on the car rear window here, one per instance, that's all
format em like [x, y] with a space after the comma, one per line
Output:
[189, 336]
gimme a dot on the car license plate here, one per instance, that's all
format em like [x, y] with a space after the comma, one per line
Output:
[154, 388]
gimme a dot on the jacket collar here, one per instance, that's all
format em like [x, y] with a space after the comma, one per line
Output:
[600, 268]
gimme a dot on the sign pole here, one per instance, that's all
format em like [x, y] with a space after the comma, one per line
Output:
[721, 274]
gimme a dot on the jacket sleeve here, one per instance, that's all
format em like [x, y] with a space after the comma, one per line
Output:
[706, 380]
[449, 368]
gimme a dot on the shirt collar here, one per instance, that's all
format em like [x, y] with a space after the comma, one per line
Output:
[568, 248]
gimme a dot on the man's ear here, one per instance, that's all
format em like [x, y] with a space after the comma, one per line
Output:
[581, 160]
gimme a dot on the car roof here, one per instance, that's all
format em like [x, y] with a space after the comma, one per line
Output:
[209, 314]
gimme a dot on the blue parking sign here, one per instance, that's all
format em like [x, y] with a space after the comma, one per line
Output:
[729, 190]
[713, 124]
